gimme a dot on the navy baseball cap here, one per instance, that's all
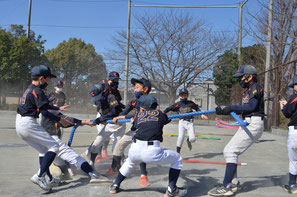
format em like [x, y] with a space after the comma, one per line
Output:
[113, 75]
[293, 82]
[183, 91]
[42, 70]
[96, 92]
[143, 81]
[245, 70]
[59, 83]
[147, 101]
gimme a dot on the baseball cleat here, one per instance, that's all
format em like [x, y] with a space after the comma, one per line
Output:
[41, 182]
[235, 187]
[180, 192]
[54, 182]
[143, 181]
[97, 178]
[113, 189]
[221, 190]
[189, 144]
[291, 189]
[104, 155]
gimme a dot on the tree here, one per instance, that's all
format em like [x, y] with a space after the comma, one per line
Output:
[170, 48]
[78, 66]
[228, 89]
[17, 56]
[284, 48]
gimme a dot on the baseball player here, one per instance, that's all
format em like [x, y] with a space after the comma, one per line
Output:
[252, 110]
[186, 123]
[289, 110]
[149, 124]
[65, 153]
[60, 96]
[111, 107]
[142, 86]
[33, 102]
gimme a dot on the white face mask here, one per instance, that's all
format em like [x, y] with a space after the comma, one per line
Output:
[59, 89]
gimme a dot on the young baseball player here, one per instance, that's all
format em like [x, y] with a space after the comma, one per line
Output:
[186, 123]
[60, 96]
[65, 153]
[289, 110]
[33, 102]
[142, 86]
[149, 124]
[111, 108]
[252, 110]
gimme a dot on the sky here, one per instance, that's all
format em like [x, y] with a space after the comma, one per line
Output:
[97, 21]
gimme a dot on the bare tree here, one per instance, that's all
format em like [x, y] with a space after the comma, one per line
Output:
[172, 49]
[284, 47]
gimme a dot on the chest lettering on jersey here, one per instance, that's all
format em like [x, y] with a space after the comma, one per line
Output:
[148, 116]
[184, 110]
[245, 99]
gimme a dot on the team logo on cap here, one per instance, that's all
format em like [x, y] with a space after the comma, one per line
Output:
[115, 74]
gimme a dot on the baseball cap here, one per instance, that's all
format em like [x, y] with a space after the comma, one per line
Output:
[59, 83]
[96, 92]
[113, 75]
[146, 101]
[143, 81]
[42, 70]
[245, 69]
[183, 91]
[293, 82]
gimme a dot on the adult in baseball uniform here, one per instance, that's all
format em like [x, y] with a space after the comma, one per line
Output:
[185, 123]
[33, 102]
[252, 110]
[149, 124]
[289, 110]
[65, 153]
[59, 94]
[142, 86]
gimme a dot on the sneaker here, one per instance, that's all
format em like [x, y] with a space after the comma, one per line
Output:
[54, 182]
[291, 189]
[189, 144]
[111, 172]
[113, 189]
[221, 190]
[104, 155]
[235, 187]
[178, 192]
[143, 181]
[97, 178]
[41, 182]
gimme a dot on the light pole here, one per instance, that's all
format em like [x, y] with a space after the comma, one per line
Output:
[29, 19]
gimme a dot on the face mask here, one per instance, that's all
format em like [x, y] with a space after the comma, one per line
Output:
[59, 89]
[138, 94]
[115, 85]
[182, 100]
[43, 86]
[243, 84]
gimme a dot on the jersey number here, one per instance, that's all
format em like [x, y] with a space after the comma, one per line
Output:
[148, 116]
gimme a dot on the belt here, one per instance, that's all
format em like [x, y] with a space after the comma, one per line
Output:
[149, 143]
[189, 120]
[262, 117]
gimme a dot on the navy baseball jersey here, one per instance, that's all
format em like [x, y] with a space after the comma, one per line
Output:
[60, 98]
[183, 107]
[290, 110]
[149, 125]
[252, 103]
[32, 100]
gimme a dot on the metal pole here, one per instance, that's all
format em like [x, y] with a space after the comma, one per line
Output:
[240, 34]
[29, 19]
[183, 6]
[267, 66]
[127, 54]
